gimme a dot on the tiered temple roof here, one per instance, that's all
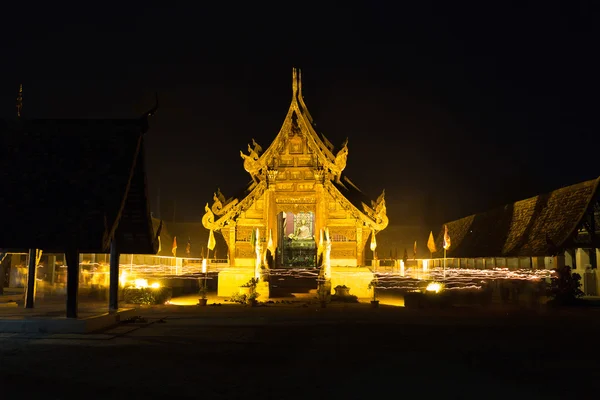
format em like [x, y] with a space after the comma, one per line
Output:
[262, 166]
[538, 226]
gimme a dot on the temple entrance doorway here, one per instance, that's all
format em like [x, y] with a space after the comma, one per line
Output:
[297, 238]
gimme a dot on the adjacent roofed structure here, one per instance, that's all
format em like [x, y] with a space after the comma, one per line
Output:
[545, 225]
[75, 186]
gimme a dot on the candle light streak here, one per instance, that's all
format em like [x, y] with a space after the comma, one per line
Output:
[406, 279]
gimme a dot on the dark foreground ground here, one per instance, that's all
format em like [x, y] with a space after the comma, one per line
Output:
[295, 352]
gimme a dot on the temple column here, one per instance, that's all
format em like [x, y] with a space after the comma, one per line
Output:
[320, 207]
[360, 256]
[232, 228]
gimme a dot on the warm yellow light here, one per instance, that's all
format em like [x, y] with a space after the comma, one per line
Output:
[425, 265]
[155, 285]
[434, 287]
[204, 265]
[140, 283]
[123, 278]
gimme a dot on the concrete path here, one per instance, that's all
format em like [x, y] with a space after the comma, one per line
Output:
[305, 352]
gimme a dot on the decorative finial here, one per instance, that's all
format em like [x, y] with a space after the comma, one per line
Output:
[20, 101]
[294, 82]
[299, 83]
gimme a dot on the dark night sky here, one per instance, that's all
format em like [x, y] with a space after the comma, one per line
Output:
[451, 109]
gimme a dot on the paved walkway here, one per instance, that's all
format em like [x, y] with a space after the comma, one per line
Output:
[284, 351]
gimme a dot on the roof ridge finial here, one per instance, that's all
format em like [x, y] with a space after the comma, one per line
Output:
[299, 83]
[20, 101]
[294, 82]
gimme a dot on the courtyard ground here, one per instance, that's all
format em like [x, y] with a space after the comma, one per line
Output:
[296, 351]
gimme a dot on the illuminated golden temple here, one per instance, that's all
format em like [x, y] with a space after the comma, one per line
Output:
[298, 200]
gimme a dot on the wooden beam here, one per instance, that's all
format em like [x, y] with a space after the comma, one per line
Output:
[30, 291]
[72, 258]
[113, 291]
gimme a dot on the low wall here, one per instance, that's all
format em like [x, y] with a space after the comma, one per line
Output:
[232, 278]
[356, 278]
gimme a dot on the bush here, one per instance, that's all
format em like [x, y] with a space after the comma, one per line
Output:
[565, 287]
[350, 298]
[151, 296]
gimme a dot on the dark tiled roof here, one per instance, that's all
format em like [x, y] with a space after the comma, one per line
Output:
[72, 183]
[538, 226]
[352, 193]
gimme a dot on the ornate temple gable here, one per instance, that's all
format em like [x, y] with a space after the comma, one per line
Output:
[298, 122]
[297, 160]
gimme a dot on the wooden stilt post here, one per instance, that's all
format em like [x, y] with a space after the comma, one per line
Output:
[72, 258]
[30, 292]
[113, 291]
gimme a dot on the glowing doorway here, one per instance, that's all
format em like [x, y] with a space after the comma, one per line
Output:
[297, 240]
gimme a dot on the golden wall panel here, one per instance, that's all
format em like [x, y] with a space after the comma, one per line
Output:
[288, 186]
[254, 214]
[337, 214]
[296, 175]
[305, 161]
[305, 186]
[343, 253]
[287, 161]
[244, 251]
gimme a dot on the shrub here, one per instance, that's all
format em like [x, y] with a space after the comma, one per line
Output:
[150, 296]
[565, 287]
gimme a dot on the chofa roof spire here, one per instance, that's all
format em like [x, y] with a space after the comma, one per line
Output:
[294, 83]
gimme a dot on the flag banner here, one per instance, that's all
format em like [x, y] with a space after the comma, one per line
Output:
[270, 244]
[446, 238]
[174, 250]
[373, 242]
[211, 240]
[159, 245]
[431, 243]
[188, 247]
[415, 250]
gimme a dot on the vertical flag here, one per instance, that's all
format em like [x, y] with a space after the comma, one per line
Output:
[373, 242]
[415, 251]
[270, 244]
[174, 250]
[211, 241]
[188, 247]
[320, 244]
[431, 243]
[159, 245]
[446, 238]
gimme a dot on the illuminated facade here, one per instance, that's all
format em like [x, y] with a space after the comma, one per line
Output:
[298, 194]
